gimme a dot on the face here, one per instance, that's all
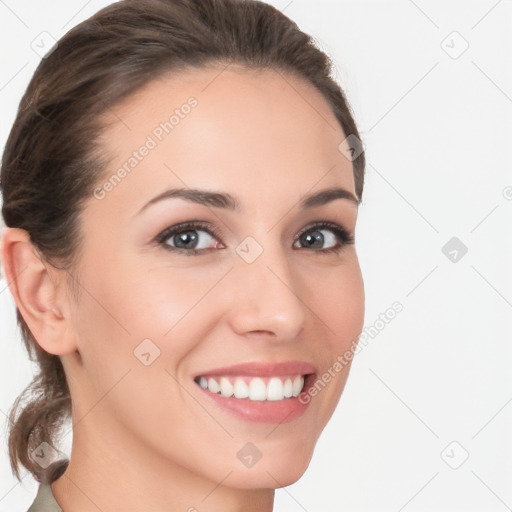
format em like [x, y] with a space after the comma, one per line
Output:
[249, 290]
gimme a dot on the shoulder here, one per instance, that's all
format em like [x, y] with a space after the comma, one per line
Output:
[44, 500]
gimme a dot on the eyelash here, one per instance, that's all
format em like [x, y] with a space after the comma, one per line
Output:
[344, 237]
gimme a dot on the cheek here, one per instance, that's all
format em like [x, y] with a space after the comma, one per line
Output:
[147, 299]
[134, 327]
[127, 303]
[337, 298]
[338, 301]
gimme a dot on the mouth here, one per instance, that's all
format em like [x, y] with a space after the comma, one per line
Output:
[259, 392]
[243, 387]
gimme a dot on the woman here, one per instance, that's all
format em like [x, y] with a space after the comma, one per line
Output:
[180, 190]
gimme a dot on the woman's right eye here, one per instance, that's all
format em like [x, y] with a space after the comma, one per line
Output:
[189, 238]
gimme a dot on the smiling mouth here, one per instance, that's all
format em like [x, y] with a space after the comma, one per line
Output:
[251, 388]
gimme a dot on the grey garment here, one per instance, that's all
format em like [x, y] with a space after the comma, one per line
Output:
[44, 500]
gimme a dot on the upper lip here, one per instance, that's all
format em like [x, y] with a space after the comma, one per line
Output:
[263, 369]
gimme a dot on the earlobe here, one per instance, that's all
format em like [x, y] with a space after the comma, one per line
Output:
[35, 291]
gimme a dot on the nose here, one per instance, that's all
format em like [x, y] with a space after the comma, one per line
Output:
[266, 298]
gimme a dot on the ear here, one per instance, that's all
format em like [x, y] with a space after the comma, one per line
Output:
[37, 290]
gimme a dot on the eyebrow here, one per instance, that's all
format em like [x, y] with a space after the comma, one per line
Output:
[228, 202]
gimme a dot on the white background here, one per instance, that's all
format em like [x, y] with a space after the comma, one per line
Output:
[437, 132]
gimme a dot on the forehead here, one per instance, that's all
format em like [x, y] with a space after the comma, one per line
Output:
[226, 128]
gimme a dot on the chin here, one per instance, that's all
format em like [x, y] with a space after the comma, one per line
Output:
[278, 470]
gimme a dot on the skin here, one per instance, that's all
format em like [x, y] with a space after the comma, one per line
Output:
[145, 437]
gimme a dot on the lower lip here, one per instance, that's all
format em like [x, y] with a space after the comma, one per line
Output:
[261, 411]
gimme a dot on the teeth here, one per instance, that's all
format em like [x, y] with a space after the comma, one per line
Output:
[226, 389]
[288, 388]
[298, 383]
[255, 388]
[275, 389]
[213, 385]
[241, 389]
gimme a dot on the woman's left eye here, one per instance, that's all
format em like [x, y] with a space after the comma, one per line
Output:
[186, 237]
[312, 235]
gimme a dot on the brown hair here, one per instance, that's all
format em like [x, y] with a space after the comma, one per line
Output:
[51, 165]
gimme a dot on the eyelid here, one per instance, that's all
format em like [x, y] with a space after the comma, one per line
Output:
[323, 224]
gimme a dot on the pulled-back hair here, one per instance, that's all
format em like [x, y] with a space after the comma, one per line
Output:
[52, 161]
